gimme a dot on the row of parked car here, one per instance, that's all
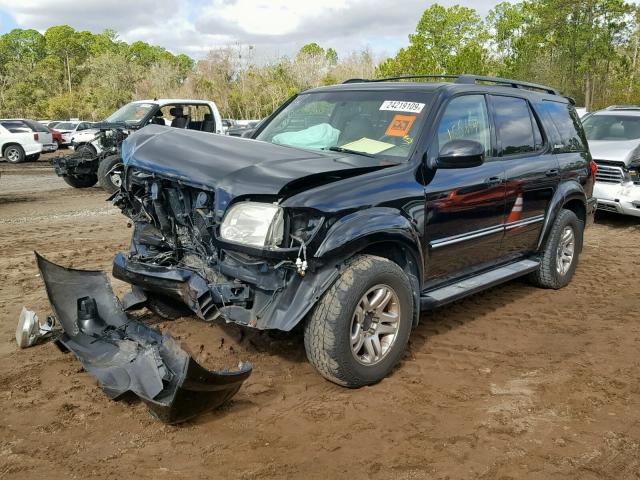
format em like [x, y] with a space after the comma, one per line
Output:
[24, 140]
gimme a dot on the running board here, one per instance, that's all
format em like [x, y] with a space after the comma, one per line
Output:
[477, 283]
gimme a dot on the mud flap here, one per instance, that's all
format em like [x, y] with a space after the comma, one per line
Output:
[125, 355]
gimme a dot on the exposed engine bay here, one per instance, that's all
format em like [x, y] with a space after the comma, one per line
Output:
[175, 247]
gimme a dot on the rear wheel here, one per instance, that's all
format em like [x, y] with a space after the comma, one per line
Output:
[110, 173]
[14, 154]
[560, 256]
[81, 181]
[360, 327]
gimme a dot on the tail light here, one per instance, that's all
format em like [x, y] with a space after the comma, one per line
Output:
[36, 136]
[594, 168]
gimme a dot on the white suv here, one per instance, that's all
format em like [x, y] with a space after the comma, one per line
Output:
[18, 142]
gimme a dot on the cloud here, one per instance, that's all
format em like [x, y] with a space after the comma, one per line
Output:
[279, 27]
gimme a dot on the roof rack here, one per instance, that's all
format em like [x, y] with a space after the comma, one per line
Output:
[623, 107]
[467, 80]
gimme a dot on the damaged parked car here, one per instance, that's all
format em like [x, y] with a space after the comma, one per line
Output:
[97, 156]
[614, 140]
[356, 207]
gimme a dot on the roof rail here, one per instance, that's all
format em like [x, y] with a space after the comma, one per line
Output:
[467, 79]
[623, 107]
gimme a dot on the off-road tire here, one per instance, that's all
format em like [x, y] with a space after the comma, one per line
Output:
[166, 308]
[33, 158]
[547, 275]
[14, 154]
[80, 181]
[327, 330]
[105, 166]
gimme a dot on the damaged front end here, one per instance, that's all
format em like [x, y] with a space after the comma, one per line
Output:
[126, 355]
[176, 251]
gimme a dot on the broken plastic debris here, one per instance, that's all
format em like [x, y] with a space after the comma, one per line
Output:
[29, 331]
[125, 355]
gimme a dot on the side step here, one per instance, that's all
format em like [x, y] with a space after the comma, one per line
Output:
[477, 283]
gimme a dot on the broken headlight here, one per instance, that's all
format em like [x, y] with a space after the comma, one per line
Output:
[253, 223]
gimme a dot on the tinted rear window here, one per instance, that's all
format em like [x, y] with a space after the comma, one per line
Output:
[568, 125]
[15, 126]
[517, 130]
[36, 126]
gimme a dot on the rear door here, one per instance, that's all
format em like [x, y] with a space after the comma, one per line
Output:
[532, 171]
[464, 207]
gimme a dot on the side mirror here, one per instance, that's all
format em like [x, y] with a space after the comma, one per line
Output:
[461, 154]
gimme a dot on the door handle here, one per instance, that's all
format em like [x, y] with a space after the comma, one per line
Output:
[552, 172]
[493, 181]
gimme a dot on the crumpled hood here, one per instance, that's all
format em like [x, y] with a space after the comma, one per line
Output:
[235, 166]
[615, 151]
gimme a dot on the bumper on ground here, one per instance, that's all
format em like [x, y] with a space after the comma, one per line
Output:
[620, 198]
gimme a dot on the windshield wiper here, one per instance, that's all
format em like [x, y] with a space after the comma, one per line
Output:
[348, 150]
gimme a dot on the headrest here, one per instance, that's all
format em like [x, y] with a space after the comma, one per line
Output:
[158, 113]
[176, 112]
[208, 116]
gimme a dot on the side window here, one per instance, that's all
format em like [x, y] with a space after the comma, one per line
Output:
[516, 127]
[16, 126]
[466, 118]
[566, 121]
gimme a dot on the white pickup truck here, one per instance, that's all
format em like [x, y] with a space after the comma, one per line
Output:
[97, 158]
[18, 142]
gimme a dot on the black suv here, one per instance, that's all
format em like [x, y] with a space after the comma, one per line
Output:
[356, 207]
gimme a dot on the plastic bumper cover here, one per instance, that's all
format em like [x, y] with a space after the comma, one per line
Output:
[618, 197]
[125, 355]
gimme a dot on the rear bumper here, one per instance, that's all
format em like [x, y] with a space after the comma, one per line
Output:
[620, 198]
[50, 147]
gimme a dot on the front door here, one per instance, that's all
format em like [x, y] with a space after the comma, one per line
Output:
[465, 207]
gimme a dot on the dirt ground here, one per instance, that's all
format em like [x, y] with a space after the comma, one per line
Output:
[516, 382]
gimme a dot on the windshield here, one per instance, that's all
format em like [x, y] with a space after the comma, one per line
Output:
[612, 127]
[65, 126]
[131, 113]
[382, 123]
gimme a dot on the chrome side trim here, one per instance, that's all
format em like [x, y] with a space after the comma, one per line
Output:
[522, 223]
[443, 242]
[466, 236]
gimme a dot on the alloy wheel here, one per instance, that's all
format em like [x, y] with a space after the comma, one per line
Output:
[566, 250]
[375, 324]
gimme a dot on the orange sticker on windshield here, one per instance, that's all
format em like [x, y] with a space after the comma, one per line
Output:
[400, 125]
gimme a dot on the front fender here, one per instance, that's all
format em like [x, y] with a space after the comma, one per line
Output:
[353, 232]
[566, 192]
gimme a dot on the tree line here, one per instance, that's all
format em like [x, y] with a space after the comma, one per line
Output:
[587, 49]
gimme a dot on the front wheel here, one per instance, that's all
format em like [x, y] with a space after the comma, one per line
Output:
[560, 256]
[81, 181]
[360, 327]
[110, 172]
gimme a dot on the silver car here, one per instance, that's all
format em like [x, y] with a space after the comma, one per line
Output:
[614, 141]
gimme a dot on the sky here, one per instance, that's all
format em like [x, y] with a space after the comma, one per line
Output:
[275, 27]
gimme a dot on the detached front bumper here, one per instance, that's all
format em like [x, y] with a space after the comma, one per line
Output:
[74, 164]
[621, 198]
[250, 295]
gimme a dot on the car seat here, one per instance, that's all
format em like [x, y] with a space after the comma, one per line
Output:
[208, 124]
[179, 119]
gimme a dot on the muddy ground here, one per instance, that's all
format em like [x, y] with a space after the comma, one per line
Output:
[516, 382]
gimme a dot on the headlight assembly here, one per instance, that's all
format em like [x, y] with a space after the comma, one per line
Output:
[253, 223]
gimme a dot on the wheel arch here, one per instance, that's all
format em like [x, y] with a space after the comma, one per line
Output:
[382, 232]
[11, 144]
[571, 196]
